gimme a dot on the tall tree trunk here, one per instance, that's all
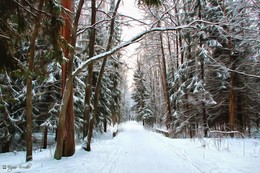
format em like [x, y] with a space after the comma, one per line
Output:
[91, 52]
[179, 47]
[62, 130]
[190, 76]
[6, 142]
[232, 81]
[165, 85]
[61, 125]
[231, 110]
[100, 76]
[177, 50]
[69, 141]
[69, 147]
[241, 104]
[29, 87]
[258, 124]
[65, 137]
[172, 63]
[204, 115]
[45, 137]
[105, 123]
[232, 96]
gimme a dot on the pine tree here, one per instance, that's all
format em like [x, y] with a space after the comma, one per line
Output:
[140, 96]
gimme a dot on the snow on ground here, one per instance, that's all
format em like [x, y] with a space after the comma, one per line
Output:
[136, 150]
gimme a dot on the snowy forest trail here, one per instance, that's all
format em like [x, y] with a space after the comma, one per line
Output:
[142, 151]
[137, 150]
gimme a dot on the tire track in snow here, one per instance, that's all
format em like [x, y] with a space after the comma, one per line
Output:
[110, 161]
[177, 151]
[142, 151]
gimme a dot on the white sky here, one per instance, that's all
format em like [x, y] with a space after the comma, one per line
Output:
[129, 8]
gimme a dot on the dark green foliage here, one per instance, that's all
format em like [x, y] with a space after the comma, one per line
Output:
[14, 52]
[7, 60]
[53, 30]
[12, 110]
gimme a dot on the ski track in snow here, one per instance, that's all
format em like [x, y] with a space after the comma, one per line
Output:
[141, 151]
[136, 150]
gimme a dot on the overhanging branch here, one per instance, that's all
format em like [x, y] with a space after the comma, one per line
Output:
[129, 42]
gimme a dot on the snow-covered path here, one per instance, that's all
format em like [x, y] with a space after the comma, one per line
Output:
[141, 151]
[136, 150]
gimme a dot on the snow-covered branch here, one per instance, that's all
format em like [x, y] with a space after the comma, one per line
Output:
[129, 42]
[230, 70]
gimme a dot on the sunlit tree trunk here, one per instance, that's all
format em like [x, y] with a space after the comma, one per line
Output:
[69, 141]
[65, 138]
[65, 135]
[232, 80]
